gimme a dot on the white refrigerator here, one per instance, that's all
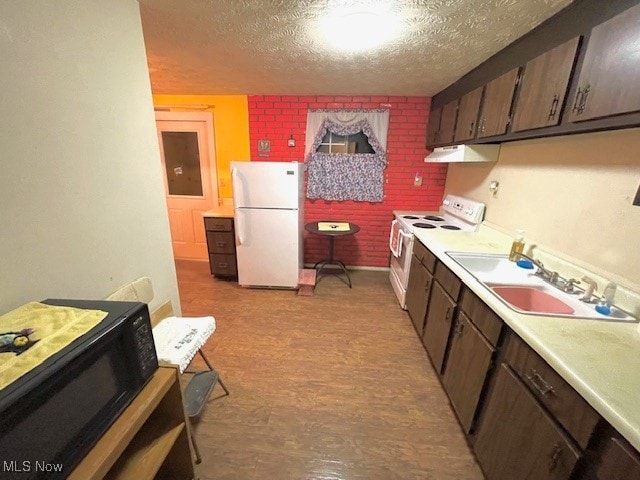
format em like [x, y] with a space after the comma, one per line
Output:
[268, 204]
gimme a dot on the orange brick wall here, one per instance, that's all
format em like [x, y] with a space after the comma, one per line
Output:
[276, 118]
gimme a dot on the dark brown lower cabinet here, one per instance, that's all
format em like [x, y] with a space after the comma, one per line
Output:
[437, 325]
[619, 461]
[418, 290]
[468, 363]
[517, 439]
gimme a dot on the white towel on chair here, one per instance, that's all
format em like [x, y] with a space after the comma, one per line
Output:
[178, 339]
[395, 239]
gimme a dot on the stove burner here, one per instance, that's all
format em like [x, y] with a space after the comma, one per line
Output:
[424, 225]
[410, 217]
[450, 227]
[433, 218]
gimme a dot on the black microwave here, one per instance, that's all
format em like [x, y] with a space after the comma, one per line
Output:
[52, 416]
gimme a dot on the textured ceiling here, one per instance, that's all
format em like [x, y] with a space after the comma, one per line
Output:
[268, 47]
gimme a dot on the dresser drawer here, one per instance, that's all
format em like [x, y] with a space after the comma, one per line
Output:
[449, 281]
[218, 224]
[566, 405]
[423, 254]
[224, 265]
[221, 242]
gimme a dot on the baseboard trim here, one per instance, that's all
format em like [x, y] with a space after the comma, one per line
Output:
[356, 267]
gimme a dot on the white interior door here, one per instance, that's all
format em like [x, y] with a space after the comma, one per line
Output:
[190, 180]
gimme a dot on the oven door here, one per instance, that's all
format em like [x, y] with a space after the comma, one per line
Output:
[400, 264]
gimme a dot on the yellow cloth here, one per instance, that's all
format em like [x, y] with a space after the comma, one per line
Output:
[55, 328]
[333, 227]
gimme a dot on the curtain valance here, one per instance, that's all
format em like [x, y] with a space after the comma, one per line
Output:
[378, 121]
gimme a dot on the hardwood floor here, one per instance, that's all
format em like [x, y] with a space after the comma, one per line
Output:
[332, 386]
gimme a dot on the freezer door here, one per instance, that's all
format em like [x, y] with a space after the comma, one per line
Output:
[268, 247]
[266, 184]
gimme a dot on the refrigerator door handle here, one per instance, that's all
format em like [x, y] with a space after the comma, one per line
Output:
[234, 182]
[239, 227]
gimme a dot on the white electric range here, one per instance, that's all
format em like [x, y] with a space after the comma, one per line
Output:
[456, 214]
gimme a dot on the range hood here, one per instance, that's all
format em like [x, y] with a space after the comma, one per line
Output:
[464, 153]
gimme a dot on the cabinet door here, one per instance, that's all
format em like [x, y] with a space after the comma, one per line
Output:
[608, 84]
[518, 439]
[448, 122]
[418, 290]
[434, 126]
[438, 325]
[619, 462]
[498, 96]
[544, 88]
[468, 110]
[467, 366]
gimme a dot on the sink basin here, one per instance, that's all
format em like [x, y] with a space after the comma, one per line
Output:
[492, 268]
[525, 292]
[532, 299]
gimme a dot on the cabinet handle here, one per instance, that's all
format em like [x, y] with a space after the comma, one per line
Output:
[223, 264]
[447, 315]
[554, 107]
[555, 455]
[577, 102]
[539, 383]
[482, 122]
[459, 328]
[471, 128]
[220, 244]
[427, 286]
[581, 100]
[587, 89]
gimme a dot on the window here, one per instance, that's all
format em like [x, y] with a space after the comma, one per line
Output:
[356, 143]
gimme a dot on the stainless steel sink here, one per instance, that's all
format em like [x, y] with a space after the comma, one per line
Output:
[525, 292]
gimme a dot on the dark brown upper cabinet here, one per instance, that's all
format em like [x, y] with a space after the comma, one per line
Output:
[498, 97]
[433, 129]
[468, 115]
[543, 88]
[448, 122]
[608, 84]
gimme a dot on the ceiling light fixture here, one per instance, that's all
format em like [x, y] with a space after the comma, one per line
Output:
[360, 27]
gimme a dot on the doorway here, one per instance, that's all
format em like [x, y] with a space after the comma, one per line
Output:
[190, 180]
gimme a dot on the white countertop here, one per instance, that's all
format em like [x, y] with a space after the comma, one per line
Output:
[600, 359]
[223, 211]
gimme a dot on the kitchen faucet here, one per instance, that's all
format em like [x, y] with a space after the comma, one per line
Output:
[550, 275]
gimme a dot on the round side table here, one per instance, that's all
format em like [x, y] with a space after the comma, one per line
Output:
[332, 230]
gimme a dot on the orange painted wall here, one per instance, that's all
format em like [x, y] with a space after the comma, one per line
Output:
[230, 129]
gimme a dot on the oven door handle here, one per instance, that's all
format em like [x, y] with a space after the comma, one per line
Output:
[396, 252]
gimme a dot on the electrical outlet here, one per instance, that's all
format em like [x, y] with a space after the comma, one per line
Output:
[417, 180]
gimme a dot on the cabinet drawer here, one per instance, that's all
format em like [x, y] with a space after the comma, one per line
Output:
[223, 265]
[425, 257]
[482, 316]
[449, 281]
[566, 405]
[218, 224]
[221, 242]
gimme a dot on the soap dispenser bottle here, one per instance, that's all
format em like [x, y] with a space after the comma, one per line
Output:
[517, 246]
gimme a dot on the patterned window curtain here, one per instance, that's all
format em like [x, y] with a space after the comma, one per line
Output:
[346, 176]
